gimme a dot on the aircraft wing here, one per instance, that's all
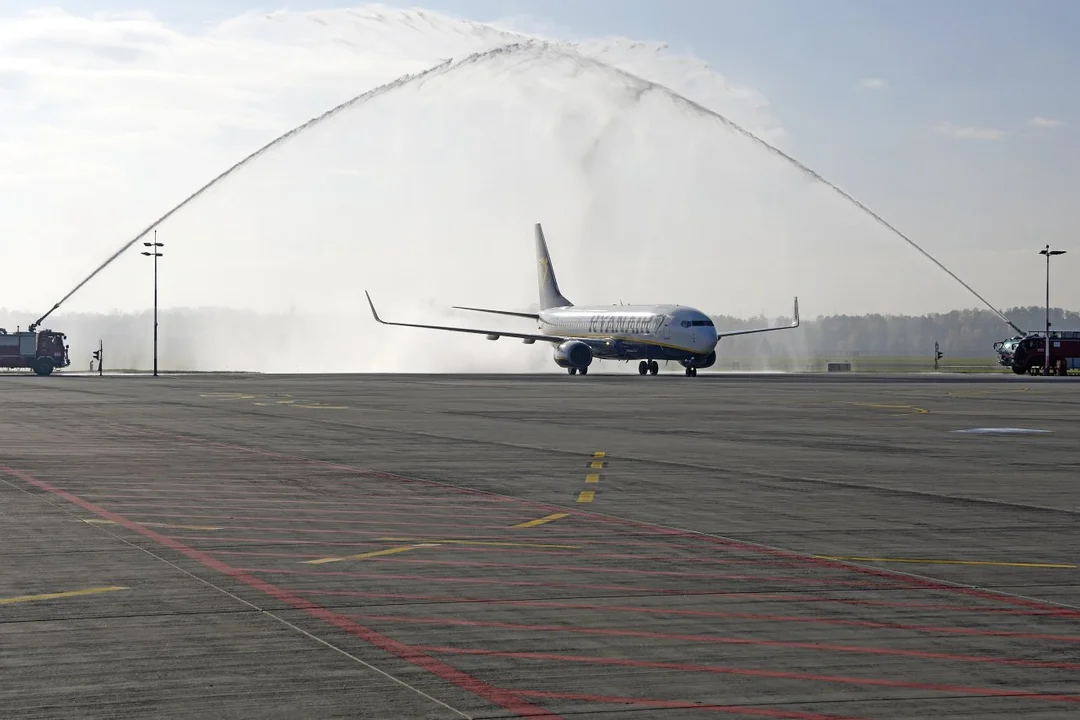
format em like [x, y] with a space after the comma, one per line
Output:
[794, 324]
[511, 313]
[491, 334]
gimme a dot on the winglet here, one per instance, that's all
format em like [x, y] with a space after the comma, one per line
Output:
[375, 314]
[796, 323]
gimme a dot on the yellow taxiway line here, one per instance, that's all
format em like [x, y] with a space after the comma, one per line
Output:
[586, 496]
[541, 521]
[60, 595]
[926, 561]
[479, 542]
[374, 553]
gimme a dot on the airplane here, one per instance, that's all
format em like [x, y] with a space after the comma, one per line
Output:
[580, 333]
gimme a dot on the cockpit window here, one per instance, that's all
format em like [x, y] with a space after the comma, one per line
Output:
[703, 323]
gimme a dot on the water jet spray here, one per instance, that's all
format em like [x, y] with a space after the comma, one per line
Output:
[637, 87]
[359, 99]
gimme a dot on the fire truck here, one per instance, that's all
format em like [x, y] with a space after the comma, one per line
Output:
[1027, 353]
[42, 351]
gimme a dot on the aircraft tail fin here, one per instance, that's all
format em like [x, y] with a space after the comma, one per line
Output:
[550, 296]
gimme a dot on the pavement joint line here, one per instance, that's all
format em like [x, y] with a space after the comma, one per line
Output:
[929, 561]
[372, 554]
[541, 521]
[62, 595]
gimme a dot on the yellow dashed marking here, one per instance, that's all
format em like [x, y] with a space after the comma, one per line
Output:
[541, 521]
[59, 595]
[585, 496]
[592, 478]
[925, 561]
[374, 553]
[479, 542]
[599, 454]
[597, 464]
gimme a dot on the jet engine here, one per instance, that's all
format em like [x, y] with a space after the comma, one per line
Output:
[701, 361]
[573, 354]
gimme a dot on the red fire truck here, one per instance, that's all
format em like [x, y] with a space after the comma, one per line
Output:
[42, 351]
[1027, 353]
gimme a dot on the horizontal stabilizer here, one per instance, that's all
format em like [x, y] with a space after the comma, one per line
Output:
[511, 313]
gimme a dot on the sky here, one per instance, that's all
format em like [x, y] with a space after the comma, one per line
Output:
[956, 122]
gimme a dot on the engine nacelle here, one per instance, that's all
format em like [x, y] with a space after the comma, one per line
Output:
[699, 361]
[573, 354]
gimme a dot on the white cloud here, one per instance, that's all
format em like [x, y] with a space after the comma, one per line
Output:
[426, 195]
[872, 83]
[969, 132]
[1042, 122]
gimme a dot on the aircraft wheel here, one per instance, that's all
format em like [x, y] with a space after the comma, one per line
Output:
[654, 367]
[572, 371]
[584, 371]
[642, 367]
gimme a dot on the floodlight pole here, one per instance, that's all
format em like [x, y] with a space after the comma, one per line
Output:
[155, 254]
[1046, 347]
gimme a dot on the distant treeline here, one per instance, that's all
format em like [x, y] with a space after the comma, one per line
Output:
[234, 339]
[960, 333]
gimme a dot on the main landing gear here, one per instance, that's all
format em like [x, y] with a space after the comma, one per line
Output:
[648, 366]
[691, 372]
[575, 371]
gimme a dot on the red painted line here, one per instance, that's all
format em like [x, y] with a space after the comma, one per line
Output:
[908, 580]
[583, 586]
[766, 597]
[719, 614]
[720, 640]
[751, 672]
[502, 698]
[747, 710]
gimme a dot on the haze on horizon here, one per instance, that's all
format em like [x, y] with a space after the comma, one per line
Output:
[427, 194]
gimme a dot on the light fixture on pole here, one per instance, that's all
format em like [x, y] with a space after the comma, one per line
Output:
[154, 254]
[1046, 360]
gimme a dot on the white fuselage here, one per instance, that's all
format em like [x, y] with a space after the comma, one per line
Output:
[669, 328]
